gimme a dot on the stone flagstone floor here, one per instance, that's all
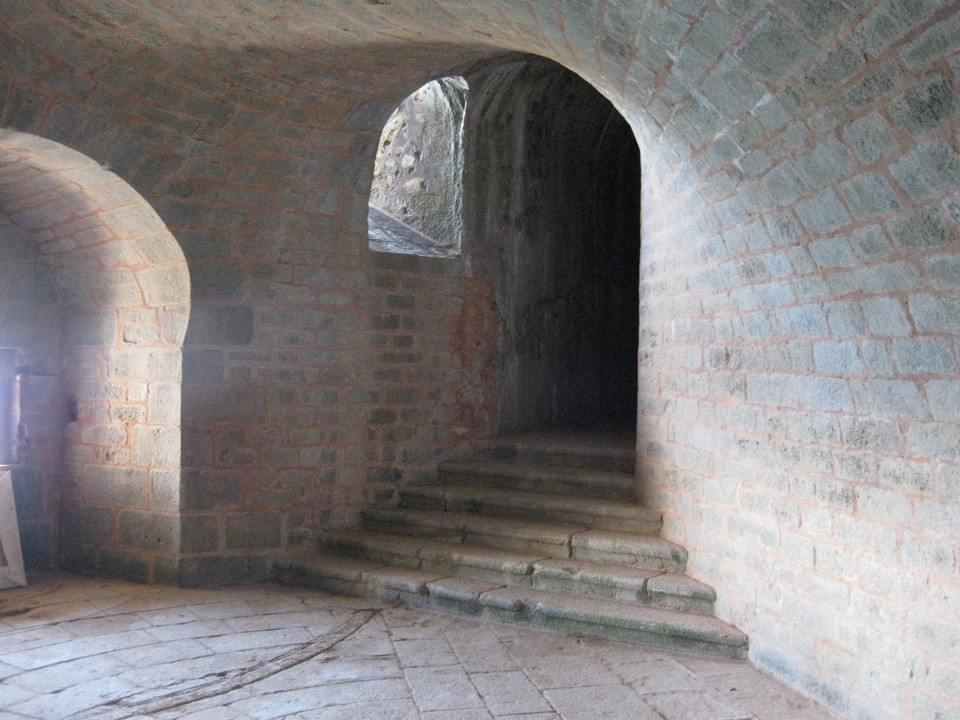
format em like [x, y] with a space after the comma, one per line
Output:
[85, 648]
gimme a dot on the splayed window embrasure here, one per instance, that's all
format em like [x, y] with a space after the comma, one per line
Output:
[416, 200]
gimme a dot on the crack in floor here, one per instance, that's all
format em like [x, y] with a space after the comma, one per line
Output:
[138, 705]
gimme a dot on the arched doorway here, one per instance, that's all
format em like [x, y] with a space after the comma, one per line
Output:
[552, 220]
[103, 473]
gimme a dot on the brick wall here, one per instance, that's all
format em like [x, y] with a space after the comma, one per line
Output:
[336, 393]
[799, 362]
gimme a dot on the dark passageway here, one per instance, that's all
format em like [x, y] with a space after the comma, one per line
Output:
[553, 216]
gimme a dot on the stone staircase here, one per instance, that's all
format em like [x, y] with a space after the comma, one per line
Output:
[543, 530]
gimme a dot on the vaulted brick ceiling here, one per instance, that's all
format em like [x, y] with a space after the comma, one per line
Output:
[293, 69]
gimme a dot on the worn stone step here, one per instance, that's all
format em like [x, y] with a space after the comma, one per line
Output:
[603, 449]
[450, 558]
[606, 618]
[615, 547]
[546, 540]
[593, 513]
[541, 539]
[627, 583]
[525, 605]
[538, 478]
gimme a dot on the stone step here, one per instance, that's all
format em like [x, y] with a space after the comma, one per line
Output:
[501, 533]
[525, 605]
[615, 547]
[626, 583]
[599, 514]
[538, 478]
[568, 541]
[602, 449]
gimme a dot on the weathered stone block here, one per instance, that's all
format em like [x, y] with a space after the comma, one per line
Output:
[890, 21]
[809, 321]
[150, 531]
[838, 358]
[944, 398]
[935, 314]
[774, 294]
[925, 355]
[928, 170]
[825, 394]
[126, 487]
[896, 398]
[870, 138]
[163, 403]
[210, 489]
[822, 213]
[732, 90]
[886, 316]
[228, 569]
[248, 531]
[102, 434]
[139, 335]
[938, 41]
[820, 18]
[925, 105]
[774, 48]
[836, 68]
[165, 285]
[832, 252]
[870, 243]
[871, 434]
[165, 490]
[217, 281]
[224, 403]
[173, 324]
[156, 446]
[825, 162]
[906, 475]
[949, 483]
[924, 230]
[88, 525]
[772, 390]
[130, 566]
[944, 270]
[220, 325]
[202, 366]
[88, 326]
[889, 277]
[870, 196]
[143, 363]
[934, 441]
[845, 318]
[200, 533]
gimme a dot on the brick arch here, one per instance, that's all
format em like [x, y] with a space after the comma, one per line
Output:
[123, 291]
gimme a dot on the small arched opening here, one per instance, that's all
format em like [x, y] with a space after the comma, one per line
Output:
[416, 197]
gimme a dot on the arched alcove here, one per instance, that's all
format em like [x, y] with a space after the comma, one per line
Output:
[104, 355]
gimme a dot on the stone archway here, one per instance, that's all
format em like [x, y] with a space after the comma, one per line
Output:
[552, 220]
[119, 291]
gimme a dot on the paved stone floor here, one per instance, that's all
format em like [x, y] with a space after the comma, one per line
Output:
[84, 648]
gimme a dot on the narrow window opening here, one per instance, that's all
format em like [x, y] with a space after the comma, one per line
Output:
[416, 199]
